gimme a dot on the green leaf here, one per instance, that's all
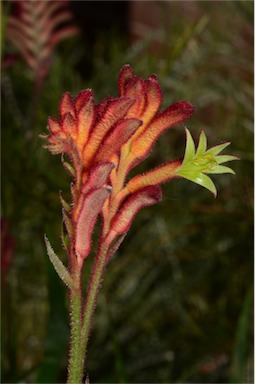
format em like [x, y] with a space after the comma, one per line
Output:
[58, 265]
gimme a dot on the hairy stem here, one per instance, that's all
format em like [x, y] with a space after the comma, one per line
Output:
[75, 363]
[94, 286]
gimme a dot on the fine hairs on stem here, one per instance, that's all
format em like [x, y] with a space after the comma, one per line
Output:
[104, 142]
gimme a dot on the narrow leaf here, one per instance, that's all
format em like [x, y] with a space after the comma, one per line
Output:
[58, 265]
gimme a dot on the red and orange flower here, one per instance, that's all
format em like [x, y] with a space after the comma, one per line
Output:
[104, 142]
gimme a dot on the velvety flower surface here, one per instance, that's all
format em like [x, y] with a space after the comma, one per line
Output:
[105, 141]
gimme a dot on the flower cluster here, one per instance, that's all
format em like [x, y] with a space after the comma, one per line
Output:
[104, 142]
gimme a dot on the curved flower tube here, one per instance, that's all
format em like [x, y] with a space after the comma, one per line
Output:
[103, 143]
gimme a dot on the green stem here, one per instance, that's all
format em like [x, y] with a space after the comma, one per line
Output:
[80, 328]
[95, 283]
[75, 362]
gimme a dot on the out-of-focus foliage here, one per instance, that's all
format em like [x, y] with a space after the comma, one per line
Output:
[176, 302]
[35, 29]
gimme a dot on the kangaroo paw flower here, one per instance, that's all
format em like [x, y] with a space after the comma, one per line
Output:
[105, 141]
[198, 163]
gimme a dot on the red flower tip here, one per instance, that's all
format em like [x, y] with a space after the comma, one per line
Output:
[66, 105]
[104, 142]
[126, 74]
[69, 125]
[82, 98]
[53, 125]
[176, 114]
[182, 106]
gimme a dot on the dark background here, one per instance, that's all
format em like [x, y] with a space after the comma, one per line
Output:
[176, 302]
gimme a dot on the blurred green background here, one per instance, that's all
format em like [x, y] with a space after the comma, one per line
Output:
[176, 303]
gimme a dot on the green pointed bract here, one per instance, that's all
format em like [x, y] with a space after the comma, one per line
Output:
[65, 240]
[65, 205]
[217, 148]
[190, 148]
[217, 170]
[224, 158]
[68, 224]
[68, 166]
[197, 163]
[203, 180]
[58, 265]
[202, 144]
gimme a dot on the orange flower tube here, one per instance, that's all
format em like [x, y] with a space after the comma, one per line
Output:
[104, 142]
